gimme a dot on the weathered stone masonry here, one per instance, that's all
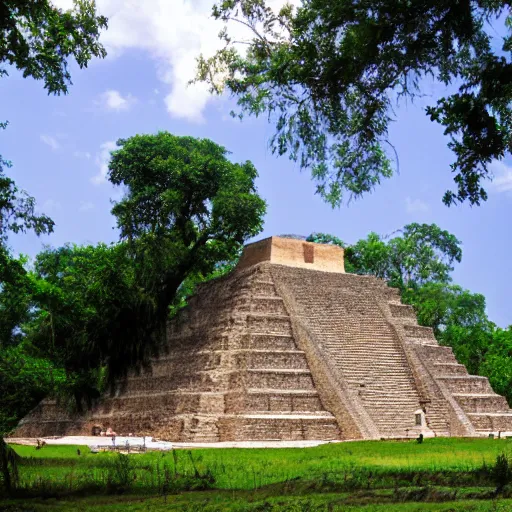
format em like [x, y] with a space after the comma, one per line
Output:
[289, 347]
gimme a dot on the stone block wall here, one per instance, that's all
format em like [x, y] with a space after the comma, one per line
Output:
[294, 253]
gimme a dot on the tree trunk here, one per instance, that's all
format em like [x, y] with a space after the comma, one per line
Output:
[4, 466]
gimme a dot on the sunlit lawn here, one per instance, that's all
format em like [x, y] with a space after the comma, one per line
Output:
[368, 475]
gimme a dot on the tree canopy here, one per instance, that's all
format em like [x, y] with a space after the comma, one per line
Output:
[327, 74]
[186, 208]
[421, 253]
[39, 39]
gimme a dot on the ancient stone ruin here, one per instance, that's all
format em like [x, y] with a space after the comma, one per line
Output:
[290, 347]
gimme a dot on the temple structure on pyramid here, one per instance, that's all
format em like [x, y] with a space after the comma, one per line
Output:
[290, 347]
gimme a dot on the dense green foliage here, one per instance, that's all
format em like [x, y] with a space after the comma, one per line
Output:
[359, 473]
[328, 75]
[83, 299]
[419, 262]
[38, 39]
[187, 208]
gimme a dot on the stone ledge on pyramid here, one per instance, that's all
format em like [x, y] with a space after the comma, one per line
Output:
[293, 253]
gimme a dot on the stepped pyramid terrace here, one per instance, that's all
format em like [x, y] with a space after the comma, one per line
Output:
[290, 347]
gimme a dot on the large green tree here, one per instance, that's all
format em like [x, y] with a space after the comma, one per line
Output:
[497, 363]
[83, 299]
[187, 207]
[327, 75]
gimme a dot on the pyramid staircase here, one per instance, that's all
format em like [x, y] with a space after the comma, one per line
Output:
[471, 399]
[362, 346]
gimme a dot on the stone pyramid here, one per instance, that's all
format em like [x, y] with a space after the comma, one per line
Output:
[289, 347]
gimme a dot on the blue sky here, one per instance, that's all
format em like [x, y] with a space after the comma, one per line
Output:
[59, 148]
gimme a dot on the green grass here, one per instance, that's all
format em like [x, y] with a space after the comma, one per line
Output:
[328, 477]
[221, 501]
[249, 468]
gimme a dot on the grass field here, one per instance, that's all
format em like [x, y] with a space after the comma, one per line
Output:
[440, 474]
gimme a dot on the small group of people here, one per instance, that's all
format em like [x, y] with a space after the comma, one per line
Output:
[98, 430]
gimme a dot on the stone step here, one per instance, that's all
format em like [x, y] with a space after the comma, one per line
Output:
[449, 369]
[395, 396]
[263, 288]
[403, 390]
[398, 386]
[348, 351]
[390, 350]
[366, 337]
[266, 427]
[392, 295]
[264, 341]
[273, 400]
[391, 404]
[403, 313]
[278, 414]
[292, 359]
[173, 402]
[203, 429]
[365, 375]
[379, 362]
[272, 378]
[322, 415]
[438, 354]
[472, 402]
[422, 342]
[358, 381]
[199, 381]
[267, 323]
[352, 352]
[193, 361]
[269, 305]
[493, 422]
[419, 331]
[467, 384]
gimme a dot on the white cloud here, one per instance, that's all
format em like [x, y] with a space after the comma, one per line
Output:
[416, 206]
[114, 100]
[82, 154]
[173, 33]
[50, 141]
[102, 160]
[502, 172]
[85, 206]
